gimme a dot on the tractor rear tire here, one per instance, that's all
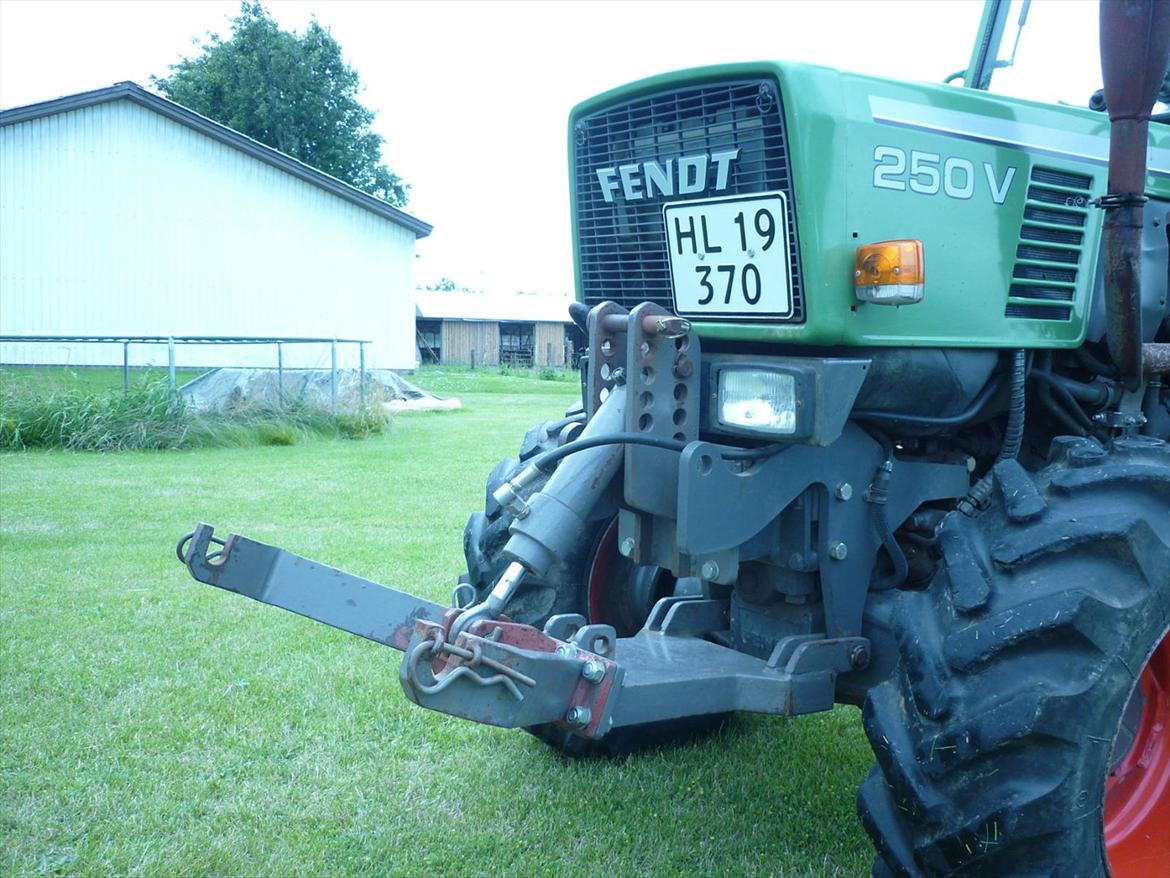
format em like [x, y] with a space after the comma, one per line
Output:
[594, 581]
[1025, 729]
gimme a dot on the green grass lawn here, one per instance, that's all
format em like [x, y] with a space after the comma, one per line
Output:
[153, 725]
[438, 379]
[96, 379]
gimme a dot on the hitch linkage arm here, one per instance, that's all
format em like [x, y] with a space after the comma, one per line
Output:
[578, 676]
[496, 672]
[325, 594]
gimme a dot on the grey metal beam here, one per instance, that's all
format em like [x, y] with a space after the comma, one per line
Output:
[307, 588]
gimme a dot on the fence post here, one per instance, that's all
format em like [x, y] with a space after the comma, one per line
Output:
[126, 368]
[333, 376]
[280, 374]
[171, 361]
[473, 359]
[362, 371]
[548, 358]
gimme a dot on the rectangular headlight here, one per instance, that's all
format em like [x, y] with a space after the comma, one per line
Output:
[758, 400]
[787, 399]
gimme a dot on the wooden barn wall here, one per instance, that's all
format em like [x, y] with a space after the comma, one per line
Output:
[461, 337]
[550, 336]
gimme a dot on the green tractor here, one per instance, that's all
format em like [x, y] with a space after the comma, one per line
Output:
[872, 413]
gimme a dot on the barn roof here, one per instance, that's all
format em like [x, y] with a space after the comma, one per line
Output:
[518, 307]
[136, 94]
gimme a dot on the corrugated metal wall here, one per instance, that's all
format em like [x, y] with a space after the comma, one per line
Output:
[114, 219]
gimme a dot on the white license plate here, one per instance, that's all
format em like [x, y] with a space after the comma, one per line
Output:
[729, 256]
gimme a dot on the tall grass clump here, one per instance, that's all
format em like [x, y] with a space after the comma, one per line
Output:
[152, 416]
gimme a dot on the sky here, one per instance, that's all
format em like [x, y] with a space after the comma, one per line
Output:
[473, 97]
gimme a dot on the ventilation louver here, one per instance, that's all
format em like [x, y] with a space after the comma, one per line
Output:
[1052, 237]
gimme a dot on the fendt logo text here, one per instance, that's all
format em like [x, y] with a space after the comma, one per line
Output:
[687, 176]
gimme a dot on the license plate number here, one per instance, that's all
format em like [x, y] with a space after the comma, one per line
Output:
[729, 256]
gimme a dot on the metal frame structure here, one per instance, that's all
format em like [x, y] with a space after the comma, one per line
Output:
[171, 340]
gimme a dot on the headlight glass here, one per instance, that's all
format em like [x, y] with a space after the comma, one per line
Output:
[758, 400]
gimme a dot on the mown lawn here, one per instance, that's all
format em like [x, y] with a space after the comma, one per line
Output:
[152, 725]
[50, 378]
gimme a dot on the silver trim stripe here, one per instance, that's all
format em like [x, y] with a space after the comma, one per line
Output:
[1001, 132]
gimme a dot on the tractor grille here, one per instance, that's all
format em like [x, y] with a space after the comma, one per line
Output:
[1049, 254]
[622, 244]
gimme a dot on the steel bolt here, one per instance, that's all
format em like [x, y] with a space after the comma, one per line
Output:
[859, 656]
[844, 491]
[579, 717]
[709, 570]
[627, 547]
[593, 671]
[838, 551]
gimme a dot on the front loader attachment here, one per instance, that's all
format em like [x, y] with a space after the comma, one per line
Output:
[572, 674]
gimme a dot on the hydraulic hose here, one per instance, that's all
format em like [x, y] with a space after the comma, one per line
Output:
[543, 460]
[877, 495]
[1013, 435]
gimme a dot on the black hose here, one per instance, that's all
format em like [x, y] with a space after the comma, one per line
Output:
[1094, 394]
[919, 539]
[1044, 394]
[932, 420]
[901, 570]
[1013, 435]
[877, 494]
[1070, 414]
[542, 460]
[1093, 364]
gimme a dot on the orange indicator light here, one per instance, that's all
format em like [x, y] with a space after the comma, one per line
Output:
[889, 273]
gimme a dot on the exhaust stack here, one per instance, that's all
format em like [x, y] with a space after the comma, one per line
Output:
[1135, 45]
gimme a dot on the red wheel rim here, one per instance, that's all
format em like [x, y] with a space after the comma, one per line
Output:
[620, 592]
[599, 573]
[1137, 792]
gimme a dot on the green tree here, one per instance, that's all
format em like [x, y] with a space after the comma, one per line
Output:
[446, 285]
[293, 92]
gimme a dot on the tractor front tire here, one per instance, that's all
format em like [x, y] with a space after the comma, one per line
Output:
[594, 581]
[1025, 730]
[486, 534]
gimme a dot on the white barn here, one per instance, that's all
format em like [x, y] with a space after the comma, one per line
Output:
[122, 213]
